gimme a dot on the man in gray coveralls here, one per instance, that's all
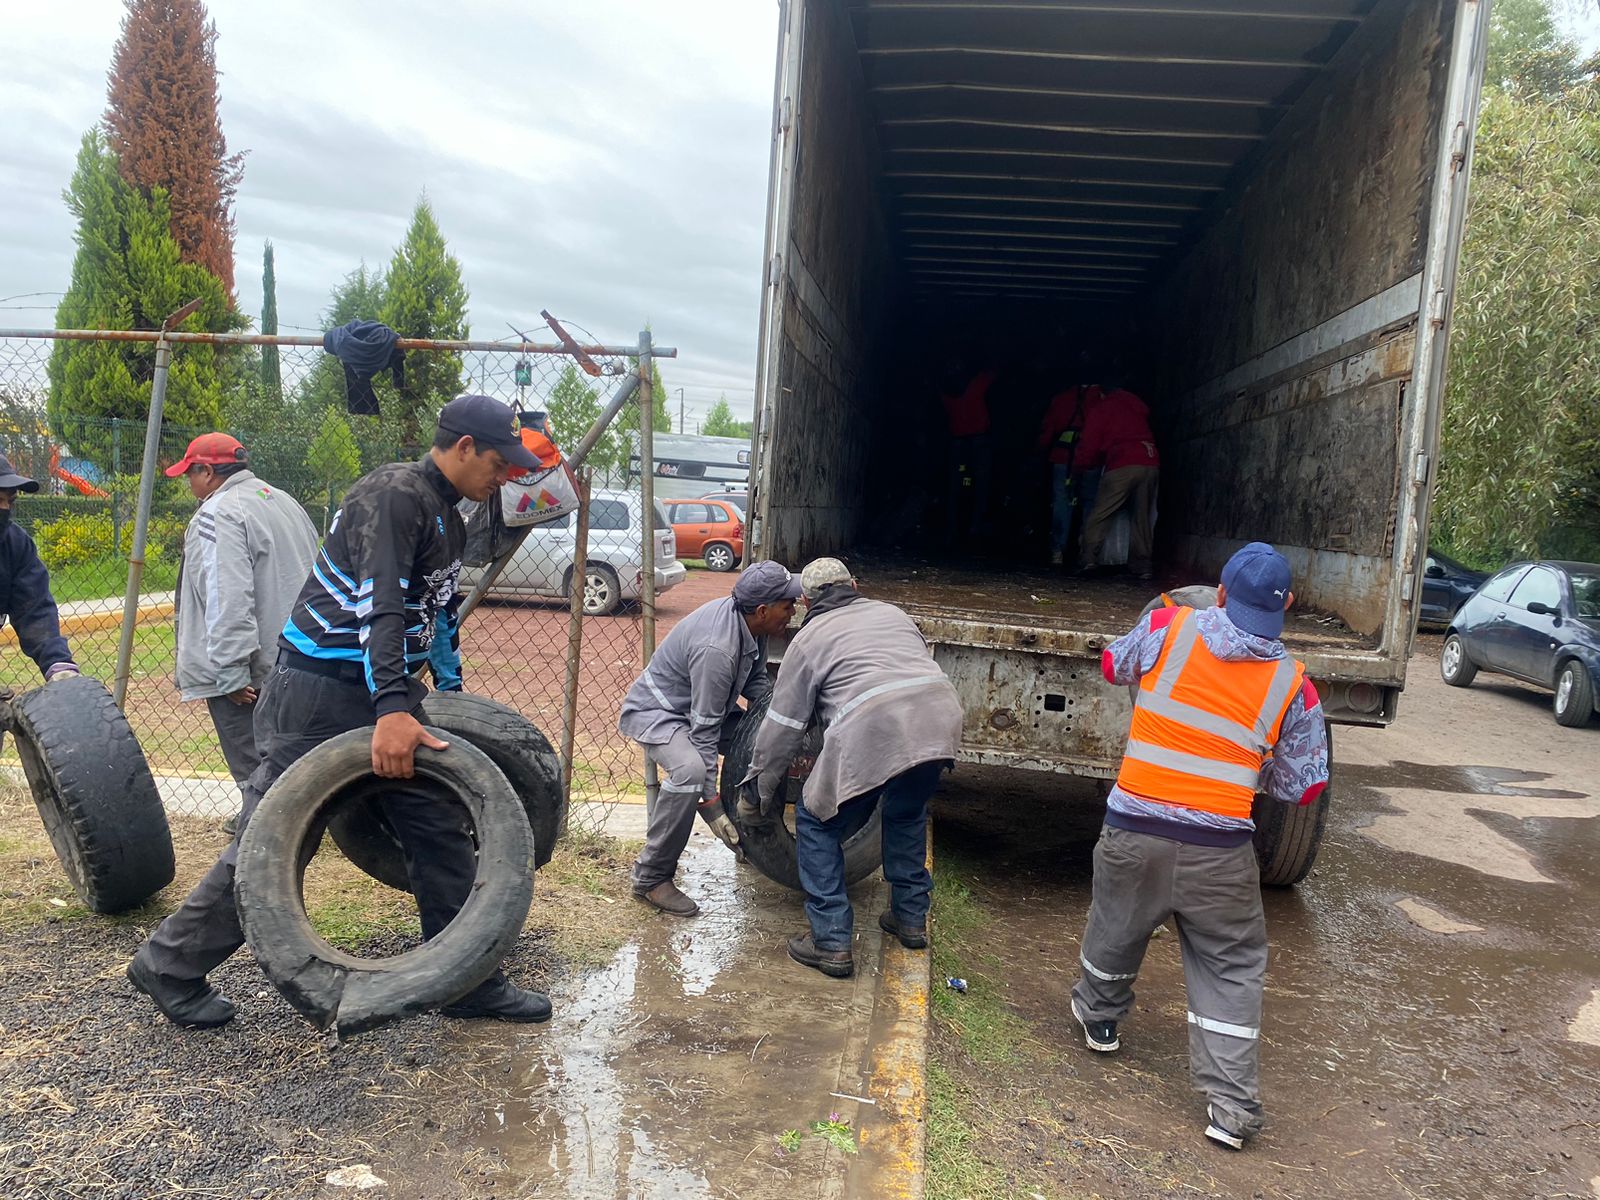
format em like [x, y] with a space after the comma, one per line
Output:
[679, 707]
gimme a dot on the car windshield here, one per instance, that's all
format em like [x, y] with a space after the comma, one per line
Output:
[1586, 594]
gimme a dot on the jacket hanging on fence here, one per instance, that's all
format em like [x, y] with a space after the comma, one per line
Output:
[364, 348]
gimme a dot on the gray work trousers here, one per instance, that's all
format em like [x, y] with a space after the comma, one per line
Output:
[1212, 896]
[671, 821]
[236, 730]
[296, 712]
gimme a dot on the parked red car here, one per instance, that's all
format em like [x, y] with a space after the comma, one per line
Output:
[708, 529]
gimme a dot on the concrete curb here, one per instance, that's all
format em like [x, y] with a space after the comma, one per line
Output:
[96, 622]
[894, 1138]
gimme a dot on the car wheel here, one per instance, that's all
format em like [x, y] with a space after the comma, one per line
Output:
[1574, 703]
[718, 557]
[602, 594]
[1454, 666]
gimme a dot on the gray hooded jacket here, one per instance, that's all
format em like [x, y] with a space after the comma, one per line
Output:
[247, 550]
[864, 672]
[694, 682]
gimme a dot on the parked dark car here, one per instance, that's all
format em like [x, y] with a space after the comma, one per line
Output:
[1446, 586]
[1537, 622]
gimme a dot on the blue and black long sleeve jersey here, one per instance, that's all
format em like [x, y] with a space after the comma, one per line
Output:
[385, 574]
[26, 600]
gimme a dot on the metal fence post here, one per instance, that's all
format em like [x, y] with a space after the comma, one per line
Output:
[569, 715]
[141, 520]
[647, 542]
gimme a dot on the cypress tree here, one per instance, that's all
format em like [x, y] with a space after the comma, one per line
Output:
[271, 375]
[165, 129]
[127, 274]
[425, 298]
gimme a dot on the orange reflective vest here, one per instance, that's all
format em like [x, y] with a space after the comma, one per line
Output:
[1202, 728]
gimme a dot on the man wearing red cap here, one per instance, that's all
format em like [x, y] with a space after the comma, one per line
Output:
[246, 552]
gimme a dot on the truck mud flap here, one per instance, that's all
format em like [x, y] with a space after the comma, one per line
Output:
[94, 791]
[330, 988]
[771, 849]
[514, 744]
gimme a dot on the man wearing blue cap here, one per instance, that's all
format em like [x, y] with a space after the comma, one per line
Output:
[1220, 712]
[682, 708]
[355, 640]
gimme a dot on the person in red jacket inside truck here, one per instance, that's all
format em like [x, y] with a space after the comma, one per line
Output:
[1117, 438]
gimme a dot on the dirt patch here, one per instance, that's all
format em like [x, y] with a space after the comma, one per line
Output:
[101, 1097]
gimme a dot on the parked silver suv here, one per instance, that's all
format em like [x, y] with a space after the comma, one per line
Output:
[542, 565]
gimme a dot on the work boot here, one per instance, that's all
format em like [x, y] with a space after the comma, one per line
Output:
[668, 899]
[191, 1003]
[500, 1000]
[1222, 1136]
[1097, 1035]
[912, 937]
[837, 963]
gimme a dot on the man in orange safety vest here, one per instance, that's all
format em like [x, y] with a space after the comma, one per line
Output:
[1221, 712]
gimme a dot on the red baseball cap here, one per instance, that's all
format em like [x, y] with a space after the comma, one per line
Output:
[212, 449]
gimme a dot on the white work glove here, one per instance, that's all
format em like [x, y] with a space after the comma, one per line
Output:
[61, 671]
[716, 817]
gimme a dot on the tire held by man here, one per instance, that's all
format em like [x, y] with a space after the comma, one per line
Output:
[95, 793]
[771, 849]
[333, 989]
[1288, 836]
[515, 745]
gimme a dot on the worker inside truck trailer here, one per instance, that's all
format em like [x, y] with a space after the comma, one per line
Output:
[1220, 712]
[683, 708]
[349, 657]
[1118, 443]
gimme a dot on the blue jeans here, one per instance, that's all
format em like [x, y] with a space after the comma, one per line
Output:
[1063, 498]
[905, 855]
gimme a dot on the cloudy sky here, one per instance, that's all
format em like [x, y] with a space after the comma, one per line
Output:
[607, 162]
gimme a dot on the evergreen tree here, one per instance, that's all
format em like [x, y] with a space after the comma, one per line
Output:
[662, 422]
[359, 297]
[271, 375]
[127, 274]
[573, 407]
[334, 459]
[165, 130]
[425, 298]
[719, 421]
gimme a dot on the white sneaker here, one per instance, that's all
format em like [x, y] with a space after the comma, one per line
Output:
[1220, 1135]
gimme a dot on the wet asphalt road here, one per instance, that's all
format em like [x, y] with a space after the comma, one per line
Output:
[1432, 1022]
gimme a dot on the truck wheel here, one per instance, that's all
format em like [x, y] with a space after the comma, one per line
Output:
[1289, 835]
[772, 849]
[331, 988]
[512, 742]
[95, 793]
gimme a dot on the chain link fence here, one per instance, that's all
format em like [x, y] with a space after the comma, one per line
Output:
[302, 440]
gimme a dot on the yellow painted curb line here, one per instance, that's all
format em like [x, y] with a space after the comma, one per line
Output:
[894, 1140]
[96, 622]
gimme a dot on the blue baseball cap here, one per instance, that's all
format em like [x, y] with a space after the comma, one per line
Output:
[1258, 579]
[490, 425]
[765, 582]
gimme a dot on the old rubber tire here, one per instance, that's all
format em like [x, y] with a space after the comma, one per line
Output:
[1288, 836]
[95, 793]
[1574, 698]
[772, 849]
[331, 988]
[719, 556]
[1455, 667]
[511, 741]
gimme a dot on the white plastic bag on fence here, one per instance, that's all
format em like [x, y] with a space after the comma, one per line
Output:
[539, 497]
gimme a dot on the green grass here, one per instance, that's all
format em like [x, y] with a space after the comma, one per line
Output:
[955, 1166]
[988, 1031]
[102, 578]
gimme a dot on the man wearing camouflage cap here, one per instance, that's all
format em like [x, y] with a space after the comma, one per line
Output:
[682, 708]
[860, 669]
